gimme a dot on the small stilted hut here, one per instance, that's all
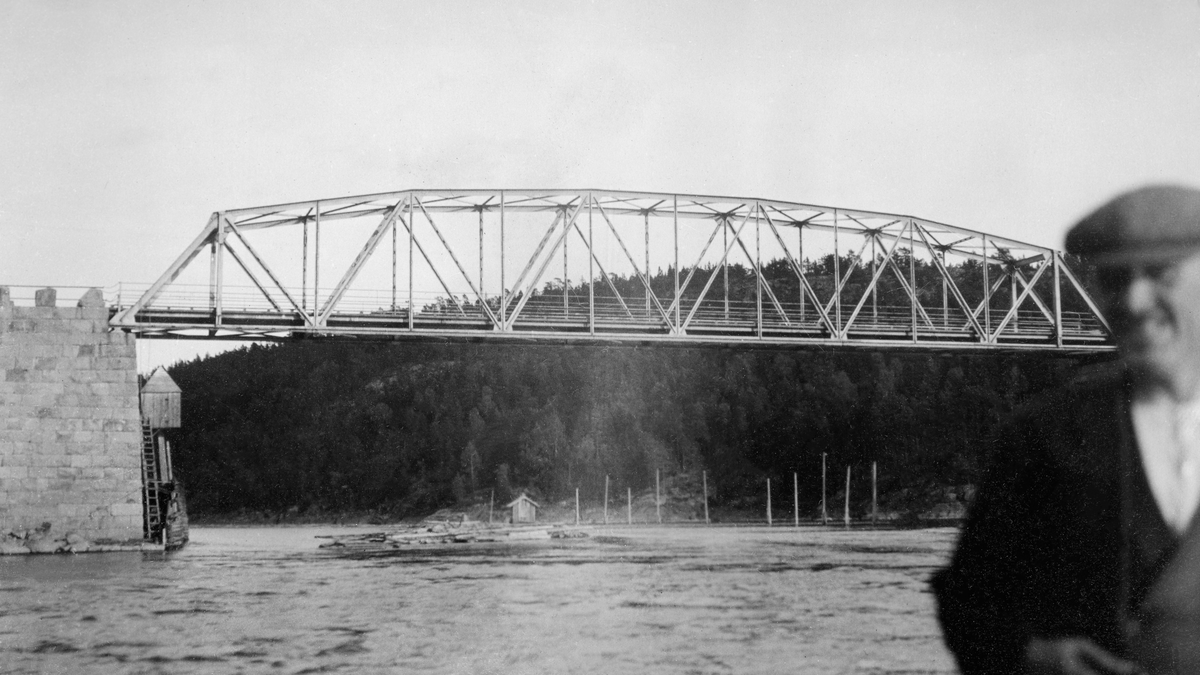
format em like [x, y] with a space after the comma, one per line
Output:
[524, 509]
[164, 508]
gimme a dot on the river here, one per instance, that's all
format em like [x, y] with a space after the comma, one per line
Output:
[622, 600]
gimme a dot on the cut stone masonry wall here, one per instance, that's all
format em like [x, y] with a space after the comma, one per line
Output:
[70, 434]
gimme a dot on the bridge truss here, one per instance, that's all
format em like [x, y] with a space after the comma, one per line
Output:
[592, 265]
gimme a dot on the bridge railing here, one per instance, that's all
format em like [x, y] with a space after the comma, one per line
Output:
[733, 319]
[65, 296]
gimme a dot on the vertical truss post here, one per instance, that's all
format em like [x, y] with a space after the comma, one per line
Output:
[212, 270]
[503, 288]
[1058, 322]
[912, 276]
[987, 296]
[758, 276]
[482, 295]
[1012, 288]
[874, 287]
[678, 300]
[725, 262]
[412, 240]
[317, 262]
[395, 235]
[304, 271]
[219, 245]
[837, 276]
[945, 302]
[591, 244]
[566, 305]
[800, 258]
[646, 216]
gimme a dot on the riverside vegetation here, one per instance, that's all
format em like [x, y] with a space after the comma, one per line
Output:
[317, 430]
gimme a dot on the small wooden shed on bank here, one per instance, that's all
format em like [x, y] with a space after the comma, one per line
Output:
[524, 509]
[161, 399]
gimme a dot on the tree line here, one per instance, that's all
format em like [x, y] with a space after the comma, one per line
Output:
[315, 426]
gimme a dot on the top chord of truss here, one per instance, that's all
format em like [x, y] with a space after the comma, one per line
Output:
[590, 265]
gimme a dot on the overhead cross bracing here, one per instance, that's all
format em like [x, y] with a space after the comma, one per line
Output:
[594, 265]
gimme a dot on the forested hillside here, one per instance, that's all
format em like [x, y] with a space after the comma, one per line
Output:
[404, 429]
[316, 427]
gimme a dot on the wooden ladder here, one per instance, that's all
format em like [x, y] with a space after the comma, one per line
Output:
[153, 523]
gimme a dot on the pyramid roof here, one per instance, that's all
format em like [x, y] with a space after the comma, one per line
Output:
[524, 497]
[160, 382]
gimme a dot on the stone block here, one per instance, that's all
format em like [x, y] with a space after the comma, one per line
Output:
[13, 472]
[45, 297]
[83, 376]
[6, 302]
[92, 298]
[134, 509]
[84, 437]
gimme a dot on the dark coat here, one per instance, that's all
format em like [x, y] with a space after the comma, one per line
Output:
[1041, 553]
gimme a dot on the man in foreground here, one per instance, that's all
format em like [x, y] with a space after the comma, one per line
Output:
[1081, 554]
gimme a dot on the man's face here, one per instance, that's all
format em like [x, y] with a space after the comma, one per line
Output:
[1155, 314]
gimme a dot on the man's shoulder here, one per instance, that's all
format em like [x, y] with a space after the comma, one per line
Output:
[1088, 409]
[1092, 386]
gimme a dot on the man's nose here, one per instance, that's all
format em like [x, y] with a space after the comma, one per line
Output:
[1139, 294]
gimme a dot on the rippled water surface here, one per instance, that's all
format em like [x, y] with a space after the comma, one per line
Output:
[622, 600]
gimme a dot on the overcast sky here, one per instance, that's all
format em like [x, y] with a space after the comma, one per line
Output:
[124, 124]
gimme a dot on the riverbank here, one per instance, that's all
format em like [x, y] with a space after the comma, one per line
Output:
[564, 514]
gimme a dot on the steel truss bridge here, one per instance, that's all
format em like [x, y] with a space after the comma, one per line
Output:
[606, 266]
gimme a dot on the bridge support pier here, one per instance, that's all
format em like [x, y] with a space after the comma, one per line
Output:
[69, 421]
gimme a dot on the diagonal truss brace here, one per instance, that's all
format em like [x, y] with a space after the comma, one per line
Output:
[355, 267]
[758, 270]
[512, 318]
[799, 270]
[875, 280]
[478, 296]
[1020, 300]
[433, 268]
[205, 237]
[716, 269]
[641, 277]
[951, 284]
[275, 280]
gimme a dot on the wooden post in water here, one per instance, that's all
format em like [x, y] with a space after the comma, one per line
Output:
[491, 505]
[795, 499]
[846, 514]
[576, 506]
[629, 506]
[874, 492]
[657, 498]
[606, 499]
[824, 511]
[704, 475]
[768, 502]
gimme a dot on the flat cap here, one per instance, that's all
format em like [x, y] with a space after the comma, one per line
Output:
[1158, 223]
